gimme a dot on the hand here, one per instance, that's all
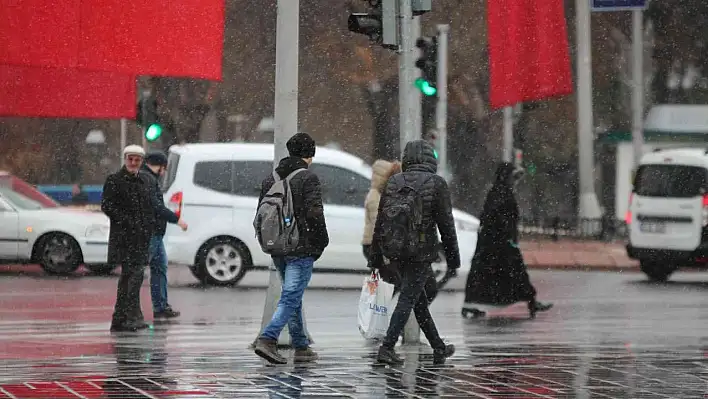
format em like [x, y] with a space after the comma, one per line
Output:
[451, 273]
[182, 225]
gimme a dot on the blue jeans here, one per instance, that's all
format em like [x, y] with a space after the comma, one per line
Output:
[295, 274]
[158, 274]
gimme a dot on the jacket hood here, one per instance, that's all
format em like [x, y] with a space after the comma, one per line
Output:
[504, 171]
[148, 170]
[288, 165]
[382, 171]
[419, 155]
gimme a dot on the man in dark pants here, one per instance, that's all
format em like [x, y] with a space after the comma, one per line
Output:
[127, 202]
[153, 169]
[419, 168]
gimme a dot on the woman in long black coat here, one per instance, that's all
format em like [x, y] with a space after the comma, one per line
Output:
[498, 275]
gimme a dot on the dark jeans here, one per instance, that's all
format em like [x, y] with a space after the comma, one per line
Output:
[415, 278]
[127, 309]
[158, 274]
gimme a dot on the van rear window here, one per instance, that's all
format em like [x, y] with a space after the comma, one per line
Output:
[171, 172]
[678, 181]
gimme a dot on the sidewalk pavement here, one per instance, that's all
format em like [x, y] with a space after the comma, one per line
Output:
[577, 255]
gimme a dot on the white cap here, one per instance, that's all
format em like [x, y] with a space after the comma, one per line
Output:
[133, 150]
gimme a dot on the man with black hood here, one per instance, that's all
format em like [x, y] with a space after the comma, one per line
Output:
[419, 174]
[296, 268]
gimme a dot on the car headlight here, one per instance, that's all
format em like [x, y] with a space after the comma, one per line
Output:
[98, 230]
[465, 226]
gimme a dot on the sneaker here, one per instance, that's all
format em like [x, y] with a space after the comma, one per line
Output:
[440, 355]
[166, 314]
[305, 355]
[388, 356]
[268, 350]
[536, 306]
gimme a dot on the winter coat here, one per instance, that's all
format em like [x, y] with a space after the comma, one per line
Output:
[498, 274]
[163, 215]
[419, 162]
[127, 202]
[307, 206]
[382, 171]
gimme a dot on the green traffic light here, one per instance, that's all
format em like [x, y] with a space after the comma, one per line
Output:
[425, 87]
[153, 132]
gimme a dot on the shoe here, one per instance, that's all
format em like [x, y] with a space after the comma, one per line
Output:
[388, 356]
[440, 355]
[536, 306]
[268, 350]
[305, 355]
[168, 313]
[130, 326]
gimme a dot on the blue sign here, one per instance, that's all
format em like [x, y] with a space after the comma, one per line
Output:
[618, 5]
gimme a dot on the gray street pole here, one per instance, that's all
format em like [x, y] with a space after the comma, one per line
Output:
[637, 85]
[287, 42]
[406, 60]
[123, 138]
[146, 94]
[416, 96]
[589, 205]
[441, 110]
[508, 134]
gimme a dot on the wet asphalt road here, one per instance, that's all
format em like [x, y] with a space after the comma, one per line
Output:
[610, 335]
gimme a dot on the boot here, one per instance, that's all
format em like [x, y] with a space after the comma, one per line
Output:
[268, 350]
[536, 306]
[305, 355]
[440, 355]
[388, 356]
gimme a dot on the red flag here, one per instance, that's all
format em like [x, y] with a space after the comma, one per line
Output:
[156, 37]
[528, 51]
[65, 93]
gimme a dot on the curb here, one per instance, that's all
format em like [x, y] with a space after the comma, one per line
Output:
[584, 268]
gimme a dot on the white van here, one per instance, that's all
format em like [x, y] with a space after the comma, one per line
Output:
[668, 212]
[215, 188]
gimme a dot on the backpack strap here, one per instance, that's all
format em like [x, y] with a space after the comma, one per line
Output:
[293, 173]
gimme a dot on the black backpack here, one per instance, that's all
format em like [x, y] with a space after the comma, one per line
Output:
[402, 220]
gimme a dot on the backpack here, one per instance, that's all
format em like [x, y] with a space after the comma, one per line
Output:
[402, 221]
[275, 225]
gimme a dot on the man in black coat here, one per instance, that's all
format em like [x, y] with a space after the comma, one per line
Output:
[296, 269]
[152, 170]
[127, 202]
[419, 171]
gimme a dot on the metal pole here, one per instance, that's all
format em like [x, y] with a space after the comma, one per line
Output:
[637, 85]
[146, 94]
[441, 111]
[123, 138]
[508, 135]
[416, 96]
[589, 205]
[406, 60]
[287, 42]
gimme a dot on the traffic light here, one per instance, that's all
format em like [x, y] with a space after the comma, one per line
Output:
[428, 65]
[379, 24]
[147, 118]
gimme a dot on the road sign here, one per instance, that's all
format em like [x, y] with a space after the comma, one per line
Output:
[618, 5]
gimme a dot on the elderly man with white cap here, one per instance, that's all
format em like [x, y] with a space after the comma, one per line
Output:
[127, 202]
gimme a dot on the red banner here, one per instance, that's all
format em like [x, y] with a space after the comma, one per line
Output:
[528, 51]
[157, 37]
[65, 93]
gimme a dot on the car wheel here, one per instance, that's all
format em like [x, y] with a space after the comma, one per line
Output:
[656, 271]
[58, 254]
[222, 261]
[101, 269]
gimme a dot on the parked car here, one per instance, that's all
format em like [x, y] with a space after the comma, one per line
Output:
[36, 229]
[215, 188]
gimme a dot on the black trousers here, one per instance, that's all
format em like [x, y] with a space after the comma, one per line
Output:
[413, 298]
[127, 309]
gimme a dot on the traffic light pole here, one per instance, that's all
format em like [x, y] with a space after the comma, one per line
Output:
[406, 90]
[508, 134]
[441, 111]
[146, 94]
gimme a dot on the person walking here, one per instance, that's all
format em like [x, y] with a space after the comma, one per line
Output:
[295, 267]
[381, 171]
[127, 202]
[153, 169]
[414, 206]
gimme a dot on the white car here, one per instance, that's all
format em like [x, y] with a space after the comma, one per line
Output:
[215, 188]
[35, 229]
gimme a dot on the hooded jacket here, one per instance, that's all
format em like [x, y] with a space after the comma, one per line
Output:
[419, 168]
[307, 203]
[163, 214]
[382, 171]
[500, 215]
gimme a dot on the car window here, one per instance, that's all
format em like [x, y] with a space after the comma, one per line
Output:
[20, 201]
[213, 175]
[248, 176]
[22, 190]
[341, 186]
[677, 181]
[171, 172]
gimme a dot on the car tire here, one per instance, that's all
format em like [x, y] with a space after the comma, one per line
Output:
[101, 269]
[222, 261]
[58, 254]
[656, 271]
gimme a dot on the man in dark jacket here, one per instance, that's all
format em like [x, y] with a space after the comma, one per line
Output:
[296, 269]
[419, 168]
[127, 202]
[153, 169]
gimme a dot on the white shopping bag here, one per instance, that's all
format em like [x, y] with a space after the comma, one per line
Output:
[375, 307]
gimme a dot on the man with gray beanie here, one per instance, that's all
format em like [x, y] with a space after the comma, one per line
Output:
[295, 267]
